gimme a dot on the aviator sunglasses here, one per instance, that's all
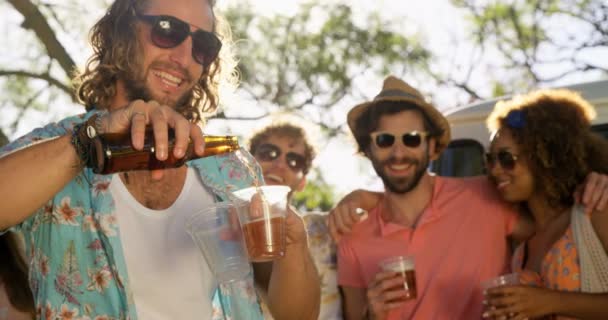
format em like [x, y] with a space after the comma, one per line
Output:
[269, 152]
[506, 159]
[169, 32]
[410, 139]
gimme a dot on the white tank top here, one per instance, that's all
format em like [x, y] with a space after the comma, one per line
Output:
[168, 277]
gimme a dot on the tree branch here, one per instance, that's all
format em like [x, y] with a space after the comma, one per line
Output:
[522, 42]
[42, 76]
[222, 116]
[35, 20]
[24, 106]
[3, 139]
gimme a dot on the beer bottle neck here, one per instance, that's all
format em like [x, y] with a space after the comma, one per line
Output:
[215, 145]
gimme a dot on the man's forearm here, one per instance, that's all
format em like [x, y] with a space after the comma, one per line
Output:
[294, 290]
[30, 177]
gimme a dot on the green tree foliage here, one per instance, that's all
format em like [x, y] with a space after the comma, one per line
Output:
[306, 63]
[44, 38]
[316, 196]
[541, 40]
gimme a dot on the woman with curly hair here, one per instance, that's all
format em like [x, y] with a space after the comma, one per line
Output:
[542, 148]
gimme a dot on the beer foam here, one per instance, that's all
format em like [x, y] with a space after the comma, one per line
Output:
[399, 265]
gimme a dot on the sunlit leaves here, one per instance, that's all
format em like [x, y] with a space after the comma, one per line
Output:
[543, 40]
[312, 57]
[316, 196]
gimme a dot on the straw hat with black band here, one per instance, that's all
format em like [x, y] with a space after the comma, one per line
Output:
[395, 89]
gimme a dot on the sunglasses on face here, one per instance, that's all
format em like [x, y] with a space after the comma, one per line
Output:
[410, 139]
[506, 160]
[169, 32]
[269, 152]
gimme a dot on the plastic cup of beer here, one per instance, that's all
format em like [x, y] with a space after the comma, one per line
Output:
[404, 268]
[510, 279]
[217, 233]
[503, 280]
[262, 211]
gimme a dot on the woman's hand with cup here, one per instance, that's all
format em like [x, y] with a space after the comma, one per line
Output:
[519, 302]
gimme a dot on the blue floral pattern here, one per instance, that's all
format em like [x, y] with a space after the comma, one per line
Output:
[77, 267]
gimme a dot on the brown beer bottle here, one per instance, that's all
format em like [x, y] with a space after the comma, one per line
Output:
[114, 152]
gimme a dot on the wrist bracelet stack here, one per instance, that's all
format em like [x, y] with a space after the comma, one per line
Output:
[84, 138]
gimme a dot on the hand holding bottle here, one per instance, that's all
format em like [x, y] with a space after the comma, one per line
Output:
[127, 139]
[135, 117]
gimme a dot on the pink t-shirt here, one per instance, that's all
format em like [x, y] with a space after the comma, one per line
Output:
[460, 241]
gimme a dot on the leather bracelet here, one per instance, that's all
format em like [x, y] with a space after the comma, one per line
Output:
[84, 139]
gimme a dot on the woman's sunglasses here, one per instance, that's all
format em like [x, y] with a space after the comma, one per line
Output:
[169, 32]
[410, 139]
[269, 152]
[506, 160]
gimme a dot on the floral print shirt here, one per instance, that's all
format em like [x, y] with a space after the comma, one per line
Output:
[77, 266]
[560, 269]
[323, 251]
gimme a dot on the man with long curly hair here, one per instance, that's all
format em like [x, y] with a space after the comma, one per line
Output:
[115, 246]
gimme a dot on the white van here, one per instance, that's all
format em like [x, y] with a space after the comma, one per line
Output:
[470, 137]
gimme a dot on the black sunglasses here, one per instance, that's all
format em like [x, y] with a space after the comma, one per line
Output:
[168, 32]
[410, 139]
[270, 152]
[505, 158]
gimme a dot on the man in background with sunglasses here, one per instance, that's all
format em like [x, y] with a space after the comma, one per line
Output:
[456, 230]
[285, 151]
[115, 246]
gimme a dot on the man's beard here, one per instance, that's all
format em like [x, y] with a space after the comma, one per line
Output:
[401, 185]
[136, 88]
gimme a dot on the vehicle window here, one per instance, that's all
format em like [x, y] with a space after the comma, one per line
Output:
[601, 129]
[462, 158]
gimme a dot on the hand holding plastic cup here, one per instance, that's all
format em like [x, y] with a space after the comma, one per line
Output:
[217, 233]
[262, 212]
[500, 281]
[404, 268]
[503, 280]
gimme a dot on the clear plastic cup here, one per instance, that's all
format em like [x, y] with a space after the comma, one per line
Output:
[503, 280]
[217, 233]
[262, 211]
[404, 267]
